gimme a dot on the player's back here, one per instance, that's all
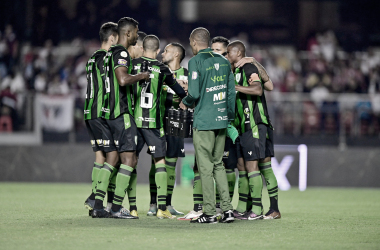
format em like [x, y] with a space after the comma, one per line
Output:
[148, 105]
[117, 99]
[95, 85]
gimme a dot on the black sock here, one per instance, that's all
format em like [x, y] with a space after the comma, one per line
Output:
[273, 203]
[153, 198]
[197, 207]
[115, 207]
[217, 205]
[162, 207]
[110, 195]
[92, 196]
[133, 207]
[98, 204]
[169, 200]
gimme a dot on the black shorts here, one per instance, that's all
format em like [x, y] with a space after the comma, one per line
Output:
[175, 147]
[230, 154]
[256, 144]
[94, 129]
[120, 134]
[154, 138]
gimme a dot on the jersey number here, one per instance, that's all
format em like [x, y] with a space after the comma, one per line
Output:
[92, 86]
[146, 100]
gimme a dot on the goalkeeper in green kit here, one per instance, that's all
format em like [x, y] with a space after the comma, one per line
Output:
[211, 89]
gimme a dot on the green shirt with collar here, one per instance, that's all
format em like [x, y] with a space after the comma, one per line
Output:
[211, 89]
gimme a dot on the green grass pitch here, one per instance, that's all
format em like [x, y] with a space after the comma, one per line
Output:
[52, 216]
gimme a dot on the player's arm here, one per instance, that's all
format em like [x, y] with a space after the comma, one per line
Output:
[254, 88]
[125, 79]
[231, 95]
[173, 84]
[268, 84]
[193, 84]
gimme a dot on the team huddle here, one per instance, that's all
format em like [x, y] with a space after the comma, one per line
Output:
[129, 96]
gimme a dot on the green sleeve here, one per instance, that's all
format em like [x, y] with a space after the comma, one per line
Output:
[193, 82]
[231, 95]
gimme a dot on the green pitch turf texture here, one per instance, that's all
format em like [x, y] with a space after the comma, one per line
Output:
[52, 216]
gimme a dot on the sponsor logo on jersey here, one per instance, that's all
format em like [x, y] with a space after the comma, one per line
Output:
[151, 75]
[218, 78]
[216, 66]
[182, 78]
[91, 61]
[221, 109]
[175, 124]
[137, 67]
[86, 112]
[154, 69]
[220, 96]
[169, 90]
[122, 62]
[105, 110]
[146, 119]
[194, 75]
[152, 149]
[219, 87]
[221, 118]
[124, 54]
[238, 77]
[246, 111]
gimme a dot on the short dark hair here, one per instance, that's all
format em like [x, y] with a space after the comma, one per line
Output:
[201, 35]
[106, 30]
[126, 21]
[239, 45]
[141, 37]
[151, 42]
[181, 50]
[220, 39]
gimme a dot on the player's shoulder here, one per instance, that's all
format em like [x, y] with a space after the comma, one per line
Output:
[164, 68]
[137, 60]
[249, 67]
[119, 49]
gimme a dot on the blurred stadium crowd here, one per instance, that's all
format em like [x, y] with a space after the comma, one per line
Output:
[321, 70]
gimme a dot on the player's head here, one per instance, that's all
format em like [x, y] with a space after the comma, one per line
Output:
[235, 51]
[219, 45]
[151, 45]
[108, 33]
[127, 28]
[136, 51]
[199, 39]
[173, 51]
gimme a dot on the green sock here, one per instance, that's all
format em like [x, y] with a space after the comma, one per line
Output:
[271, 181]
[197, 193]
[122, 183]
[162, 185]
[112, 184]
[243, 189]
[101, 188]
[231, 178]
[170, 170]
[152, 184]
[94, 176]
[132, 191]
[256, 188]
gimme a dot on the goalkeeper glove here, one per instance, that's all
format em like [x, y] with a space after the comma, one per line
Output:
[232, 133]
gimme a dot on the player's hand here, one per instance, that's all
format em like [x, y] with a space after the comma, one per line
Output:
[254, 77]
[182, 106]
[243, 61]
[145, 75]
[183, 84]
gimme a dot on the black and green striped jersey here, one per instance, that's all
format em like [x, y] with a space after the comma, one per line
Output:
[149, 107]
[250, 110]
[95, 87]
[168, 96]
[117, 99]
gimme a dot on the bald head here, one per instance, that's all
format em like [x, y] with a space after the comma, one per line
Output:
[239, 45]
[151, 43]
[201, 36]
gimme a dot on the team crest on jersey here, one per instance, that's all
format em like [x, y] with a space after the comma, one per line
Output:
[194, 75]
[238, 77]
[124, 54]
[122, 62]
[216, 66]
